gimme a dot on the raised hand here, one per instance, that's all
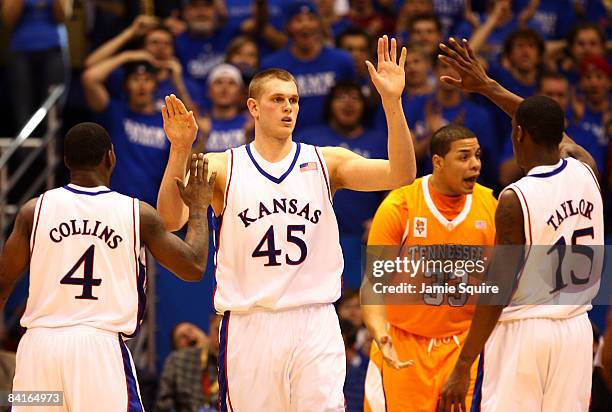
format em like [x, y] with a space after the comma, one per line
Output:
[472, 76]
[198, 191]
[390, 354]
[388, 77]
[179, 124]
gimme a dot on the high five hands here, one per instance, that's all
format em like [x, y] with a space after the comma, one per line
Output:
[388, 77]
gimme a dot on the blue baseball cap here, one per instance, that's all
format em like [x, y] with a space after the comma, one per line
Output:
[298, 7]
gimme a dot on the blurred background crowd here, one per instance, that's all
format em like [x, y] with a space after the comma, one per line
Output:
[119, 58]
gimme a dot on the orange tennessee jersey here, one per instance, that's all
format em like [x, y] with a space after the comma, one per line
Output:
[415, 215]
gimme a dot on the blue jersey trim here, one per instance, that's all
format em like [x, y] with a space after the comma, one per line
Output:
[552, 172]
[82, 192]
[134, 404]
[276, 180]
[477, 395]
[223, 385]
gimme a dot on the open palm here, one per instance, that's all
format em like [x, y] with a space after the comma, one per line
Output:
[179, 124]
[388, 77]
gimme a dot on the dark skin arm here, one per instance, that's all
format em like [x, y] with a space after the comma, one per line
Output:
[510, 232]
[186, 259]
[15, 256]
[474, 79]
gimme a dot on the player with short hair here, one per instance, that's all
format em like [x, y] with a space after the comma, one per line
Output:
[278, 263]
[446, 207]
[535, 348]
[84, 244]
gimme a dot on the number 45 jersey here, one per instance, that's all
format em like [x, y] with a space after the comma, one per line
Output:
[564, 232]
[85, 261]
[278, 244]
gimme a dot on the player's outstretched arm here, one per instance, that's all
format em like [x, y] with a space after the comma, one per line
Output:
[351, 171]
[15, 255]
[186, 259]
[509, 238]
[473, 78]
[181, 128]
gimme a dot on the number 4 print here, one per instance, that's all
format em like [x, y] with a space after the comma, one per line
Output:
[272, 253]
[87, 281]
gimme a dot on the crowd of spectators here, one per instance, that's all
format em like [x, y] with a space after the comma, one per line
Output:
[119, 58]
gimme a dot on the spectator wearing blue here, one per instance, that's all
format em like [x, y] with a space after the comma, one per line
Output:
[344, 111]
[202, 46]
[264, 22]
[225, 125]
[316, 67]
[554, 17]
[243, 53]
[518, 72]
[38, 51]
[407, 11]
[358, 44]
[495, 26]
[590, 112]
[425, 31]
[135, 126]
[158, 48]
[583, 40]
[447, 104]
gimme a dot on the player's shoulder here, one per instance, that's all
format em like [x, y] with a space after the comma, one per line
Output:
[484, 195]
[217, 160]
[401, 197]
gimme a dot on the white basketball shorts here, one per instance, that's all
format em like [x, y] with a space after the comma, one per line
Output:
[92, 367]
[536, 365]
[290, 361]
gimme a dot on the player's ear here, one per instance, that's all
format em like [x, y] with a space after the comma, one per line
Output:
[437, 161]
[253, 107]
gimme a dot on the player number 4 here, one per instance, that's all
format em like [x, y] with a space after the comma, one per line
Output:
[87, 281]
[272, 253]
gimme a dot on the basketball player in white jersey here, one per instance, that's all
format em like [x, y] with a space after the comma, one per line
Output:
[536, 347]
[279, 263]
[84, 245]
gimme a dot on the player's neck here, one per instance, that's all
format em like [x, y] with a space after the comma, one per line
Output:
[435, 183]
[88, 178]
[272, 150]
[542, 157]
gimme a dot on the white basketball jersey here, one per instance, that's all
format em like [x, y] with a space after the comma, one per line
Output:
[562, 209]
[278, 244]
[85, 261]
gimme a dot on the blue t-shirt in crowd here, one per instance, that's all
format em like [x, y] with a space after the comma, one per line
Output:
[467, 114]
[142, 151]
[37, 29]
[352, 208]
[590, 133]
[502, 121]
[314, 77]
[226, 133]
[495, 41]
[199, 55]
[354, 384]
[554, 17]
[115, 87]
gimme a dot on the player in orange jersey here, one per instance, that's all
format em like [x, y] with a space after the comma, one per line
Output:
[447, 207]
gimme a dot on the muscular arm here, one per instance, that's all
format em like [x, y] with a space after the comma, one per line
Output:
[16, 252]
[186, 259]
[11, 13]
[509, 236]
